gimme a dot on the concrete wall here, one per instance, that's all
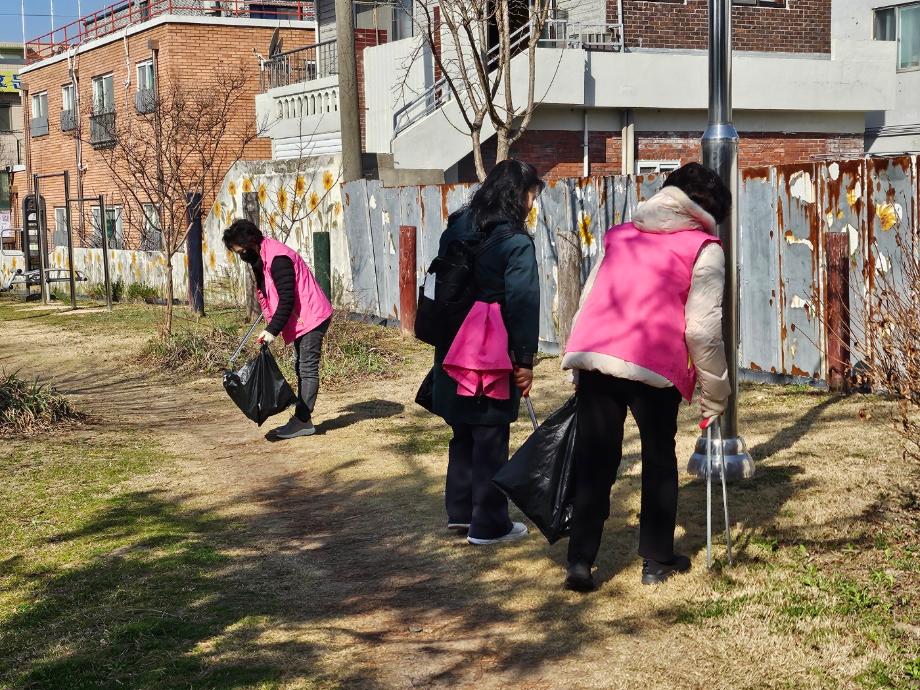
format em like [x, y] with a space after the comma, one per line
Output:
[296, 199]
[854, 79]
[394, 74]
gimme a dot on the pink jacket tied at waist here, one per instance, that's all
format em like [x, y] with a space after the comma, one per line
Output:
[478, 359]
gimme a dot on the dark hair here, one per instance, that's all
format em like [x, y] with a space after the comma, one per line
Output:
[704, 187]
[501, 198]
[243, 233]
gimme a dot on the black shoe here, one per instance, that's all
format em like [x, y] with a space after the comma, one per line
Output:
[578, 578]
[654, 573]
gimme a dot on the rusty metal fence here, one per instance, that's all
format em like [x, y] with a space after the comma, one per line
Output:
[797, 307]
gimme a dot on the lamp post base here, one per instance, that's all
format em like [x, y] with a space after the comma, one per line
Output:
[738, 462]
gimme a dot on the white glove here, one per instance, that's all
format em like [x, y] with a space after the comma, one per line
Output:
[265, 338]
[712, 408]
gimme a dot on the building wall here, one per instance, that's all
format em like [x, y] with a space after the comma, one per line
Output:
[791, 26]
[190, 54]
[365, 38]
[557, 154]
[895, 130]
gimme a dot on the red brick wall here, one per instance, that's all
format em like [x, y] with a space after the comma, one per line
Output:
[796, 26]
[365, 38]
[188, 53]
[558, 154]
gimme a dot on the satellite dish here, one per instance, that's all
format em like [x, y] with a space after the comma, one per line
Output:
[275, 46]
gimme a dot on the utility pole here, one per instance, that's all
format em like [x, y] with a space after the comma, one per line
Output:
[720, 153]
[348, 90]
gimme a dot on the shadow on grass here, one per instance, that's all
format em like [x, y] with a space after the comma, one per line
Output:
[171, 596]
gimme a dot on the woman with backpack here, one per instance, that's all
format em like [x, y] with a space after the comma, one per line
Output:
[648, 329]
[506, 291]
[294, 306]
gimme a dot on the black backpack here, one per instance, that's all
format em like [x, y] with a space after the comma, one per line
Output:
[449, 290]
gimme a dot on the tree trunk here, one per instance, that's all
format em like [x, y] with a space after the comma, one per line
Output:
[503, 147]
[167, 325]
[568, 252]
[477, 155]
[251, 213]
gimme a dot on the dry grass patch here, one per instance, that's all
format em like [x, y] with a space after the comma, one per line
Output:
[30, 407]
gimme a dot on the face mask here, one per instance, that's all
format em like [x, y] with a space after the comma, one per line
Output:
[249, 256]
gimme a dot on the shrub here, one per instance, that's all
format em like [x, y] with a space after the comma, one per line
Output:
[30, 407]
[97, 290]
[139, 292]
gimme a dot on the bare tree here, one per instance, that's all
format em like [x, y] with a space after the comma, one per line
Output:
[889, 343]
[184, 143]
[473, 43]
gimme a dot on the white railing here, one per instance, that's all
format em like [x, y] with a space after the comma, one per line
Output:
[562, 33]
[439, 93]
[307, 103]
[557, 33]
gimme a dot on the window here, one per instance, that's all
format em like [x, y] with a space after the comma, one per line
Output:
[6, 118]
[901, 24]
[40, 105]
[112, 226]
[145, 78]
[402, 19]
[909, 37]
[68, 98]
[60, 226]
[152, 238]
[655, 167]
[4, 191]
[39, 122]
[68, 108]
[103, 95]
[883, 25]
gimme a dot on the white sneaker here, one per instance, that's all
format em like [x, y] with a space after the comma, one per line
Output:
[458, 527]
[518, 531]
[294, 428]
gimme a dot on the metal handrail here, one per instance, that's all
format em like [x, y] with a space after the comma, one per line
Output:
[436, 95]
[320, 60]
[119, 15]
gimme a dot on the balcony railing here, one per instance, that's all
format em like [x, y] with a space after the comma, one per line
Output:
[68, 120]
[39, 126]
[102, 130]
[120, 15]
[562, 33]
[317, 61]
[145, 101]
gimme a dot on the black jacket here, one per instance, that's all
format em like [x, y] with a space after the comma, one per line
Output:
[506, 273]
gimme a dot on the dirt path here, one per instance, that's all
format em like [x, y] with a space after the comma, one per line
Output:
[339, 552]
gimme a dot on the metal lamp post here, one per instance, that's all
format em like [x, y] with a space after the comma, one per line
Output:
[720, 153]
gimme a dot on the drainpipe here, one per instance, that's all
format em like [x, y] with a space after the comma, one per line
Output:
[586, 151]
[720, 153]
[628, 144]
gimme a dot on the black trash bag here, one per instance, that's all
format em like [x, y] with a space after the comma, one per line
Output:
[259, 388]
[424, 398]
[539, 478]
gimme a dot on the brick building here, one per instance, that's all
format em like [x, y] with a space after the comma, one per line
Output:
[108, 66]
[622, 88]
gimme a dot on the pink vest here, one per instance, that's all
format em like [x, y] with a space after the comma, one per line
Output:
[311, 306]
[635, 310]
[478, 359]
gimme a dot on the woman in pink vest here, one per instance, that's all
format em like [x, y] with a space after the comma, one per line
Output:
[649, 329]
[294, 306]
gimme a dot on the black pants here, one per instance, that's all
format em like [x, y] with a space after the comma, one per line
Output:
[477, 453]
[308, 351]
[602, 404]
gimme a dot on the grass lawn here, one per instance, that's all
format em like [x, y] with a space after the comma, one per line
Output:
[164, 544]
